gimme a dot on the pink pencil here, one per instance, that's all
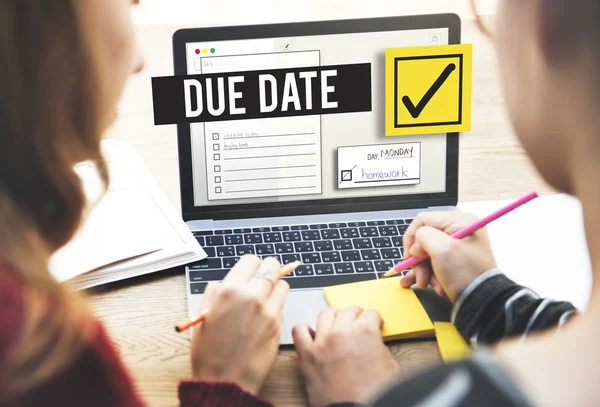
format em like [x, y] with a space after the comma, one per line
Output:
[411, 261]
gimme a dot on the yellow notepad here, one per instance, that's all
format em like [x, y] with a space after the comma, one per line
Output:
[402, 312]
[452, 345]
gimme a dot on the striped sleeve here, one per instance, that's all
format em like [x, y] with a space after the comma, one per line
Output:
[493, 308]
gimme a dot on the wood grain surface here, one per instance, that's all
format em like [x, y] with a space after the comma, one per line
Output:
[140, 313]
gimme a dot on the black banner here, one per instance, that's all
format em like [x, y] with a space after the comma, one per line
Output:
[262, 94]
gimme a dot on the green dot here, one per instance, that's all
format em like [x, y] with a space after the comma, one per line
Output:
[212, 50]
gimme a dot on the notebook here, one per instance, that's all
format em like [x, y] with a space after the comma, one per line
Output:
[130, 231]
[403, 315]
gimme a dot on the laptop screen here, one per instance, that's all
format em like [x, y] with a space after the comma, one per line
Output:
[311, 157]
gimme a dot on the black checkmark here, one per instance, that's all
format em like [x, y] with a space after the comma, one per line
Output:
[415, 111]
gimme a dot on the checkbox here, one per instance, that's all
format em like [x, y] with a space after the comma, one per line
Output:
[346, 175]
[217, 168]
[216, 157]
[216, 147]
[215, 136]
[217, 190]
[217, 180]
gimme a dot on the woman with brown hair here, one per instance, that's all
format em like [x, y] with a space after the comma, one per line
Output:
[64, 67]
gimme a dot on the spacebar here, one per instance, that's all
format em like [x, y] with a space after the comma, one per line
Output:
[326, 281]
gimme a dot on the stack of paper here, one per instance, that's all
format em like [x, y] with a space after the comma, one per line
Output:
[132, 230]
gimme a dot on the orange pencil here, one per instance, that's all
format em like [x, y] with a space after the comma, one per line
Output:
[188, 323]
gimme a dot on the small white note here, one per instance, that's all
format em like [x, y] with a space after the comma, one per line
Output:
[379, 165]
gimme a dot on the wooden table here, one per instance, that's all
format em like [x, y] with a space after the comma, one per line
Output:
[139, 313]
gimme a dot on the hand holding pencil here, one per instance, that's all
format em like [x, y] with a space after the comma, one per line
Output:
[450, 248]
[239, 340]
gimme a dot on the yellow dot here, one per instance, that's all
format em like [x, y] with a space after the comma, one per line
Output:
[204, 50]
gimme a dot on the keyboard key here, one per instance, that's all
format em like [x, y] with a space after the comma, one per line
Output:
[304, 270]
[244, 249]
[223, 251]
[370, 254]
[206, 264]
[384, 265]
[397, 241]
[326, 281]
[330, 257]
[394, 222]
[284, 248]
[356, 224]
[275, 256]
[291, 236]
[330, 234]
[215, 241]
[337, 225]
[391, 254]
[322, 269]
[253, 238]
[300, 227]
[234, 239]
[223, 232]
[362, 243]
[311, 235]
[263, 249]
[273, 237]
[350, 255]
[198, 288]
[311, 258]
[323, 245]
[244, 230]
[200, 240]
[290, 258]
[261, 230]
[343, 268]
[202, 232]
[382, 242]
[402, 228]
[364, 267]
[319, 226]
[369, 232]
[208, 275]
[376, 223]
[280, 228]
[345, 244]
[210, 251]
[388, 231]
[349, 233]
[302, 247]
[229, 262]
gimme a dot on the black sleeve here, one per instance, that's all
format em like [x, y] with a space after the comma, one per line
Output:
[470, 383]
[494, 307]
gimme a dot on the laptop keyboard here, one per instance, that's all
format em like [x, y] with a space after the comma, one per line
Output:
[331, 254]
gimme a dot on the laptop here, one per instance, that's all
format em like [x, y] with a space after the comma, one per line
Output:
[302, 188]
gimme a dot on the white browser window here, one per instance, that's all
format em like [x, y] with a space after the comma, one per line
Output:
[311, 157]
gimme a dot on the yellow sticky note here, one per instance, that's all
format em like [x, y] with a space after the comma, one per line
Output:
[452, 345]
[401, 310]
[428, 89]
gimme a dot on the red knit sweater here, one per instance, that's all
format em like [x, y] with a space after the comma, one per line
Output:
[97, 377]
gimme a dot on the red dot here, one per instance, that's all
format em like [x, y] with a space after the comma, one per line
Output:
[197, 51]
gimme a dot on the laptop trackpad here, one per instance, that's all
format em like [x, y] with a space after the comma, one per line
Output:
[301, 306]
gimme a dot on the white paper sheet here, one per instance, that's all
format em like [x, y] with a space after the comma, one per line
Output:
[542, 246]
